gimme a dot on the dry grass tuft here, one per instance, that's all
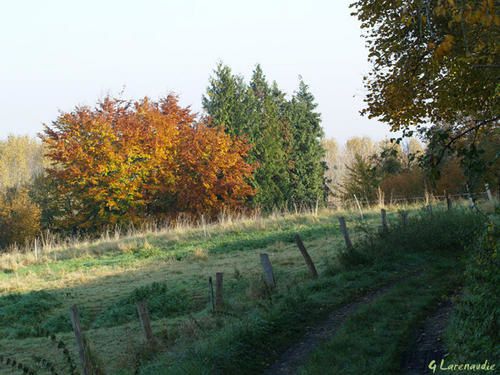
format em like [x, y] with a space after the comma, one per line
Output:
[200, 254]
[127, 246]
[146, 245]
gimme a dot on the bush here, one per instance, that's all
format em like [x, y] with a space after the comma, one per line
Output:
[443, 232]
[19, 218]
[20, 314]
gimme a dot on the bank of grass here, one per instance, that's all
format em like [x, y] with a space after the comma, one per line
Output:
[248, 345]
[473, 335]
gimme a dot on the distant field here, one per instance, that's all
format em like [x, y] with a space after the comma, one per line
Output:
[170, 270]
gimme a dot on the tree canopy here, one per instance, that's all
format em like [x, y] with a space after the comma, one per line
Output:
[124, 161]
[285, 135]
[435, 70]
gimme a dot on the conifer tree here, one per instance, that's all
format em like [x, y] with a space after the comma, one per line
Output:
[225, 99]
[307, 173]
[264, 129]
[361, 180]
[285, 135]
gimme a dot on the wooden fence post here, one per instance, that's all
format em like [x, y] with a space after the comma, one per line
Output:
[307, 258]
[429, 209]
[80, 341]
[404, 218]
[211, 292]
[383, 215]
[359, 206]
[469, 195]
[448, 202]
[143, 312]
[219, 300]
[488, 192]
[36, 249]
[268, 270]
[343, 229]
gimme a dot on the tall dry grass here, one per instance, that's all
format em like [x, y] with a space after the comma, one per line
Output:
[51, 247]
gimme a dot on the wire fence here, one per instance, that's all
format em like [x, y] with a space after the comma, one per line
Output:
[383, 200]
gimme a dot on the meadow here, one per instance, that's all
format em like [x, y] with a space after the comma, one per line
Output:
[170, 267]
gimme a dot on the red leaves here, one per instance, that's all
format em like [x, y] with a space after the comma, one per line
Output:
[123, 162]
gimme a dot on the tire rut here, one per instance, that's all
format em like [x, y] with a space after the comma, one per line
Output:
[295, 356]
[427, 343]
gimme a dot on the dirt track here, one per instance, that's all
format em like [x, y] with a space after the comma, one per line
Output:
[296, 355]
[427, 344]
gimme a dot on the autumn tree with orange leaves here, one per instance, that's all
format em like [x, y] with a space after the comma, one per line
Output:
[124, 162]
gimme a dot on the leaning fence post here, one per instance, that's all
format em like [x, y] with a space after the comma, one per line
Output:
[143, 312]
[359, 206]
[488, 192]
[307, 258]
[343, 229]
[383, 214]
[219, 301]
[268, 270]
[80, 341]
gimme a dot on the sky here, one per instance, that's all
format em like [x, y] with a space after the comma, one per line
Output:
[55, 55]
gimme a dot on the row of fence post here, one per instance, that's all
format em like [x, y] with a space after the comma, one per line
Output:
[216, 297]
[357, 201]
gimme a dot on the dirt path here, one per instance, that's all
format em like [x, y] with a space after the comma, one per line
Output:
[427, 343]
[297, 354]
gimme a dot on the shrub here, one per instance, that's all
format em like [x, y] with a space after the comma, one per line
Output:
[442, 233]
[19, 218]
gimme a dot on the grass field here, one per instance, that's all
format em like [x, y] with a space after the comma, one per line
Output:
[170, 270]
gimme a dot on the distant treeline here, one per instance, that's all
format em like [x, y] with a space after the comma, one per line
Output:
[125, 162]
[397, 171]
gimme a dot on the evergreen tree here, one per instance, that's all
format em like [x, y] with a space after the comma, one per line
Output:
[307, 172]
[361, 180]
[265, 131]
[285, 135]
[225, 99]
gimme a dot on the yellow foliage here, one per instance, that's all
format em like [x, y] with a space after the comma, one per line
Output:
[19, 218]
[445, 46]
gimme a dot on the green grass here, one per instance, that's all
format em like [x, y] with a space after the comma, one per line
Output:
[171, 270]
[246, 347]
[474, 330]
[375, 346]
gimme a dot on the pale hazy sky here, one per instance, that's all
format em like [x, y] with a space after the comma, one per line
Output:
[55, 54]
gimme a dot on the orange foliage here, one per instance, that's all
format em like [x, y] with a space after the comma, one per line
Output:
[406, 184]
[19, 218]
[123, 162]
